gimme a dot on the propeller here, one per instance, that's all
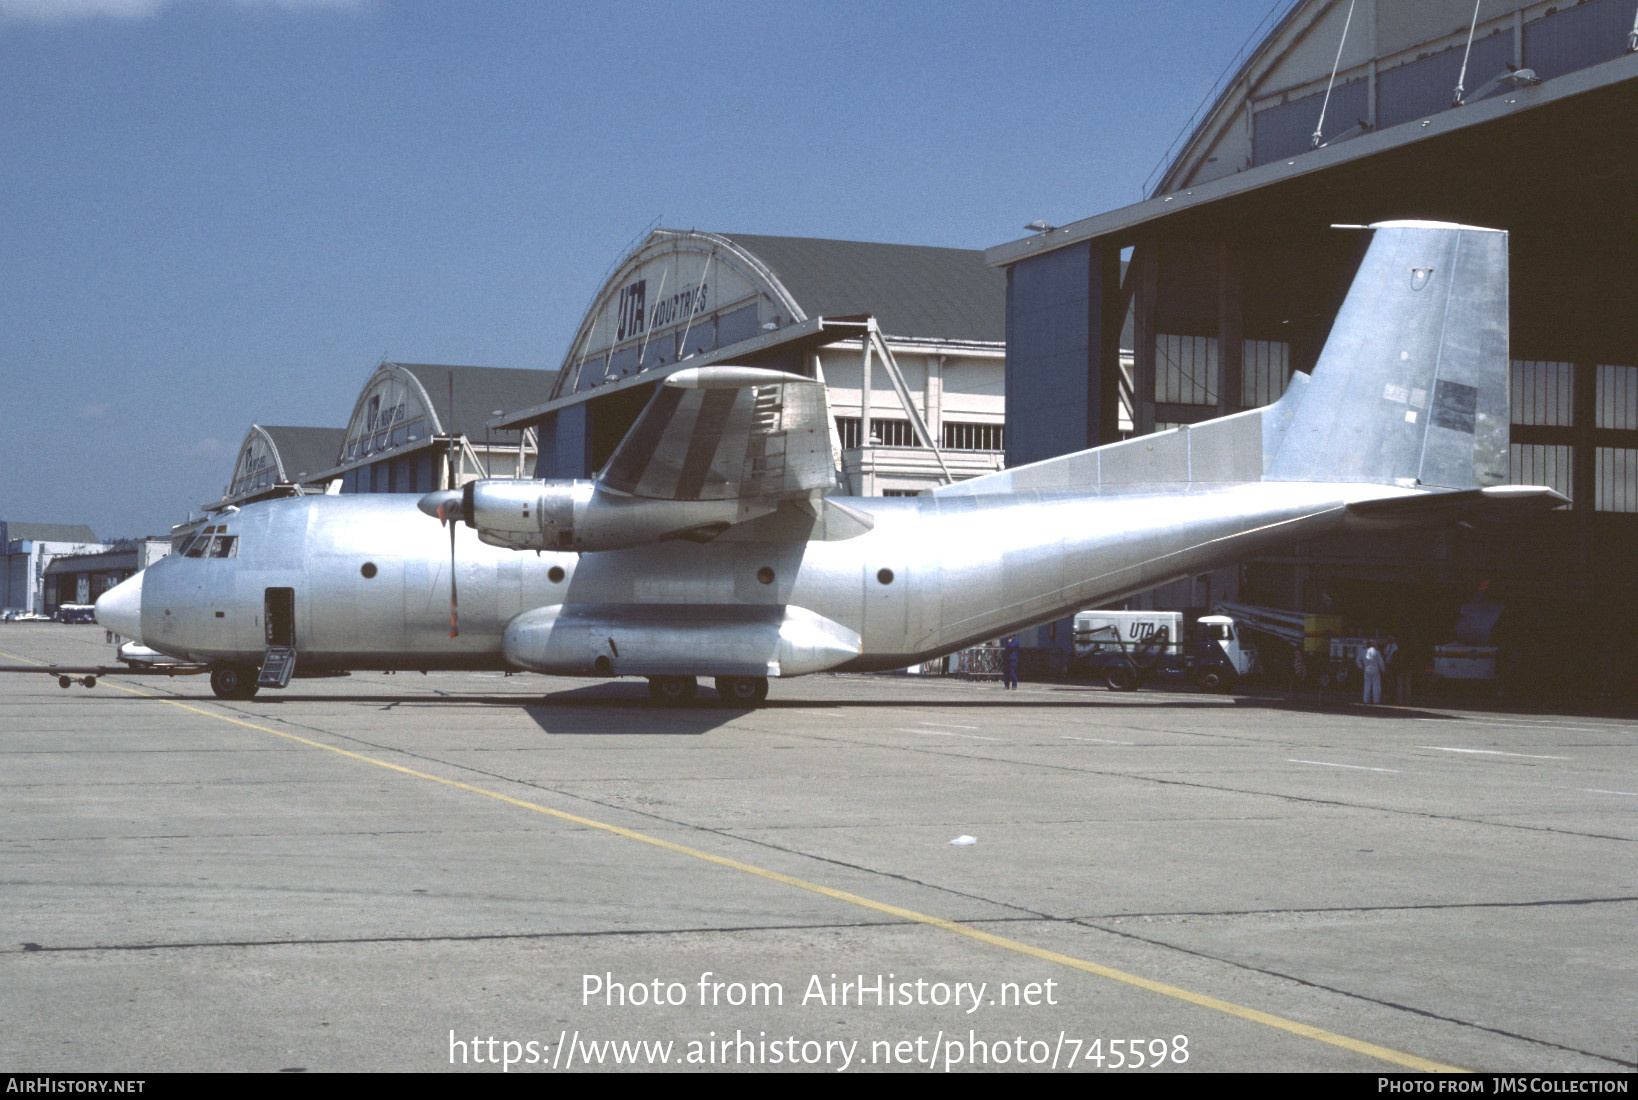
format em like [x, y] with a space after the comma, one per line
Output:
[449, 507]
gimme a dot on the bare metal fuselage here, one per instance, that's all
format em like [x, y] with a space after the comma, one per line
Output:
[933, 575]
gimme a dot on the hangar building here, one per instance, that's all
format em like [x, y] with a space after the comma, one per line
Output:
[27, 551]
[277, 460]
[908, 339]
[81, 578]
[410, 424]
[1519, 116]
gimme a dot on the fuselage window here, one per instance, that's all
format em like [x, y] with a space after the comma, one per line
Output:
[196, 546]
[224, 546]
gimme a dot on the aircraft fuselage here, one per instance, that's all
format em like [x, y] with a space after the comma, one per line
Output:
[368, 577]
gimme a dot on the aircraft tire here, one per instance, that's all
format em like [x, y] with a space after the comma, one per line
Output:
[744, 690]
[233, 681]
[672, 690]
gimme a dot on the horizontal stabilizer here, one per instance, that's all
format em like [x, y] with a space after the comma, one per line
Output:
[1495, 504]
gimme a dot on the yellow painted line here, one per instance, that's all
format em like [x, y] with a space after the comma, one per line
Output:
[1358, 1046]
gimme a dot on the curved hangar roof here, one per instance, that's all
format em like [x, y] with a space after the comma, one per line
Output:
[403, 405]
[1396, 61]
[274, 454]
[686, 292]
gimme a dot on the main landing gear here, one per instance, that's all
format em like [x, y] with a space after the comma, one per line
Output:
[233, 681]
[744, 691]
[672, 690]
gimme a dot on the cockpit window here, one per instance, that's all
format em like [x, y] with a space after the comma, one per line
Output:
[209, 543]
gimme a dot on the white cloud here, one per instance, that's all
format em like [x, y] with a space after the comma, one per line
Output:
[66, 11]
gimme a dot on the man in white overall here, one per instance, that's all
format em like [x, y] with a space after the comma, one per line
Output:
[1371, 661]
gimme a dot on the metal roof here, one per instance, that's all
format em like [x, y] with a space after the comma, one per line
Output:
[94, 562]
[479, 391]
[305, 451]
[763, 349]
[1489, 162]
[47, 532]
[914, 291]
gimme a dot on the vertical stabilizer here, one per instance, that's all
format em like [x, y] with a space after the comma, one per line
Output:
[1411, 387]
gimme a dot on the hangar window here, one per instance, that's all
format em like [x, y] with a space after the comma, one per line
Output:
[701, 337]
[972, 437]
[1265, 368]
[1541, 464]
[1616, 484]
[1543, 393]
[891, 433]
[1185, 369]
[1617, 397]
[848, 428]
[883, 432]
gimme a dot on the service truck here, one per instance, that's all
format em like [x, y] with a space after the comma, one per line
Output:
[1123, 648]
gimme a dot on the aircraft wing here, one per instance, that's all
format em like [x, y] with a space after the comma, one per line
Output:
[727, 433]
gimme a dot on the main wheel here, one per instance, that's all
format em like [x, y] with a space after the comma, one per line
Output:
[233, 682]
[1121, 677]
[672, 689]
[744, 690]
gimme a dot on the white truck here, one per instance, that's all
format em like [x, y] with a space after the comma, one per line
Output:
[1124, 648]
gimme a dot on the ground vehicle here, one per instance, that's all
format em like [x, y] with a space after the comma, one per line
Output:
[76, 613]
[1123, 648]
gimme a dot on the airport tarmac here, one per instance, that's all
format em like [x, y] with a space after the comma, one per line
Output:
[388, 872]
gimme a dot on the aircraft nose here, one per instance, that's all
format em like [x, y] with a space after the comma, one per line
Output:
[120, 608]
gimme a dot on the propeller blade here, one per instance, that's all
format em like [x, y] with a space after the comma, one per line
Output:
[454, 614]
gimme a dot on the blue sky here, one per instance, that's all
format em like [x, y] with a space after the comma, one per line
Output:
[222, 212]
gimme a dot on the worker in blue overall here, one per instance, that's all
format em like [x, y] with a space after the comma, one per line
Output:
[1009, 661]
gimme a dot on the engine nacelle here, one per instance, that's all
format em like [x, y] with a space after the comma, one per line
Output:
[533, 515]
[578, 516]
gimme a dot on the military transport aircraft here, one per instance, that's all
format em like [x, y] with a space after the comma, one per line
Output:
[711, 543]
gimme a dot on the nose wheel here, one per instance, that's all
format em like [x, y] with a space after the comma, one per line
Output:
[233, 681]
[746, 691]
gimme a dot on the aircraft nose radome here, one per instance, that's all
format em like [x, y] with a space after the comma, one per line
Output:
[120, 608]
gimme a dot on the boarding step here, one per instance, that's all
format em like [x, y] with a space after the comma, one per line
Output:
[277, 667]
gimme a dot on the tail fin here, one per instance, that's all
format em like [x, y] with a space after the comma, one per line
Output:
[1411, 387]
